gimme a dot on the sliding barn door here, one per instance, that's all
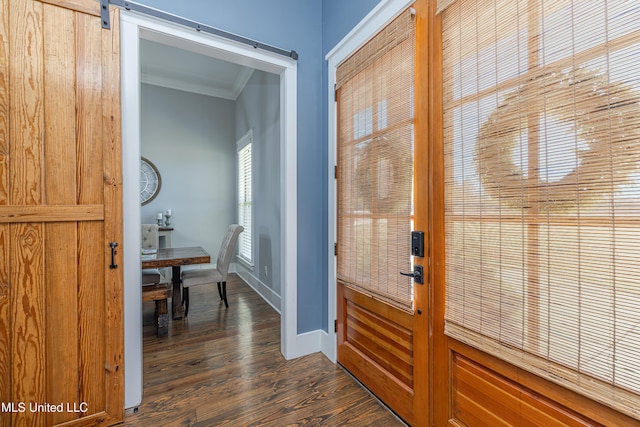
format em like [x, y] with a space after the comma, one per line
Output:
[61, 327]
[382, 315]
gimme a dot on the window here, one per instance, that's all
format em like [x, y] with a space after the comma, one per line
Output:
[542, 215]
[245, 200]
[375, 164]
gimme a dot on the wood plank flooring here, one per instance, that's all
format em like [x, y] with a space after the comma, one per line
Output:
[223, 367]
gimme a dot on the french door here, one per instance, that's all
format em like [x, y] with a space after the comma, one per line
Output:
[382, 316]
[534, 318]
[61, 324]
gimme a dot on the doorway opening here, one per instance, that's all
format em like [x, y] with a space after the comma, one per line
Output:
[134, 28]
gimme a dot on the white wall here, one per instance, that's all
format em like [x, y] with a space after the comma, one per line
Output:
[258, 108]
[191, 140]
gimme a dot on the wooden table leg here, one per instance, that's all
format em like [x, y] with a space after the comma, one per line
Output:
[162, 318]
[176, 300]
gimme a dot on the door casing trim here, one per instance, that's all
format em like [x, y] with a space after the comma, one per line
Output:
[133, 27]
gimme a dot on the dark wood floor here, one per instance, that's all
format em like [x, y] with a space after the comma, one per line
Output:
[224, 367]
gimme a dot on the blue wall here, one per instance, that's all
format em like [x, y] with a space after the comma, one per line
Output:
[311, 28]
[339, 17]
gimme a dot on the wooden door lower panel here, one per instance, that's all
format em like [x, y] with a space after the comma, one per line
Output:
[485, 391]
[375, 344]
[481, 397]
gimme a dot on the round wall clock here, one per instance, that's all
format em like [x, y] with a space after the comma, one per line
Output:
[150, 181]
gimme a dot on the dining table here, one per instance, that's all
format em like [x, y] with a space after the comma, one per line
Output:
[176, 258]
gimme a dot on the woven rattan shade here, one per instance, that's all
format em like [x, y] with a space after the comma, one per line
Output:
[399, 30]
[375, 165]
[443, 4]
[542, 215]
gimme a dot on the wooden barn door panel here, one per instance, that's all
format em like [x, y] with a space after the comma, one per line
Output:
[61, 330]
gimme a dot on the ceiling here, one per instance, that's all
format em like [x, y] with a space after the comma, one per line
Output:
[175, 68]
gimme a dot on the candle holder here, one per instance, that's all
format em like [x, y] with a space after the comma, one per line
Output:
[159, 219]
[167, 216]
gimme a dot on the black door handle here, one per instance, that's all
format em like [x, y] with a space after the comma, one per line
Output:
[113, 254]
[417, 274]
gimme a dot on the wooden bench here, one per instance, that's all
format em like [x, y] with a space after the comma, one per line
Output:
[159, 293]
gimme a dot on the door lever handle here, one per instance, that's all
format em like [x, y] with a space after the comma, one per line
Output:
[418, 274]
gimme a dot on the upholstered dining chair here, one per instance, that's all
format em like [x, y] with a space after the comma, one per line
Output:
[213, 275]
[149, 240]
[155, 287]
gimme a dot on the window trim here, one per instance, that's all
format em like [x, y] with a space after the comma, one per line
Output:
[241, 144]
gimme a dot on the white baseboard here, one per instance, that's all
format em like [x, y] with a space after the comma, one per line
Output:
[304, 344]
[301, 344]
[328, 345]
[313, 342]
[261, 289]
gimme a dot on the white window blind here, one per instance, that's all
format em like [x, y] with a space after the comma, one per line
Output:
[542, 215]
[245, 201]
